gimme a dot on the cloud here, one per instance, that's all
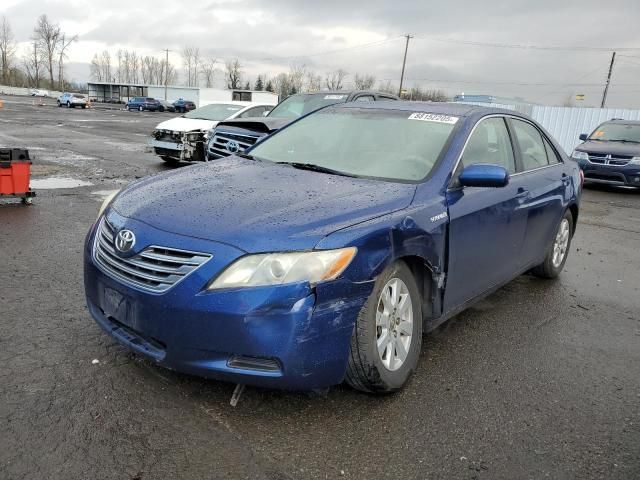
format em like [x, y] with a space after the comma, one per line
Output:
[269, 35]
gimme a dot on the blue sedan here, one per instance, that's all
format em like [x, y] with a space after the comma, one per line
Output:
[325, 252]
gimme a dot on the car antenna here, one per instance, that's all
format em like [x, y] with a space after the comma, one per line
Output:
[237, 393]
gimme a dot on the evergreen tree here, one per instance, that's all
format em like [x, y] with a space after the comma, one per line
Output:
[269, 87]
[259, 86]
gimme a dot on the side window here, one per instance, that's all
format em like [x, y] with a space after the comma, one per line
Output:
[365, 98]
[490, 143]
[551, 153]
[534, 154]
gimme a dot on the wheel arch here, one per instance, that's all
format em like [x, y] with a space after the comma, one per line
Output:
[573, 208]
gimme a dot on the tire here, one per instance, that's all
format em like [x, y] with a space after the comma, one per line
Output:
[141, 108]
[84, 106]
[68, 104]
[558, 251]
[371, 371]
[59, 104]
[126, 107]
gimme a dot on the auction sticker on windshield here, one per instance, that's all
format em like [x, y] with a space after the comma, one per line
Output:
[433, 117]
[334, 97]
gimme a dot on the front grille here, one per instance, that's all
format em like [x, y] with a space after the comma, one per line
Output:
[218, 144]
[155, 269]
[613, 160]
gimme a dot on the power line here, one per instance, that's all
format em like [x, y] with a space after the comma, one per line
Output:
[531, 46]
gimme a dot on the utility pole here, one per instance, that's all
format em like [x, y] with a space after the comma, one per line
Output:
[166, 73]
[606, 87]
[404, 62]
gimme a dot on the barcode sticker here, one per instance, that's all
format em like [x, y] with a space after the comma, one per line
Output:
[334, 97]
[433, 117]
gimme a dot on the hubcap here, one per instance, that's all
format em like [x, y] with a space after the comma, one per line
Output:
[394, 324]
[561, 243]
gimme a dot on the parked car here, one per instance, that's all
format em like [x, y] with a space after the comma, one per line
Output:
[166, 106]
[184, 106]
[183, 138]
[324, 252]
[611, 153]
[235, 136]
[72, 100]
[143, 103]
[36, 92]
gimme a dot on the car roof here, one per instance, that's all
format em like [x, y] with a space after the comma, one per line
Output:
[456, 109]
[623, 121]
[239, 103]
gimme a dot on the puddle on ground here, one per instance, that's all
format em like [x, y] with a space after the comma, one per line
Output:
[103, 193]
[57, 182]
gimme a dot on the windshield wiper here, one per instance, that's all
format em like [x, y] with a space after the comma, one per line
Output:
[316, 168]
[621, 140]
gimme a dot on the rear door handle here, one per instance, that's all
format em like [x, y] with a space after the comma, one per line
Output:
[522, 193]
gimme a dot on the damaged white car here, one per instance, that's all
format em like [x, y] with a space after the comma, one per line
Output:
[183, 138]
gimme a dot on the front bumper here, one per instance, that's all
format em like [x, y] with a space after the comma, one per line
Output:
[627, 175]
[301, 334]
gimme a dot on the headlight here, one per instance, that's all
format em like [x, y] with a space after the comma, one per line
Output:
[281, 268]
[193, 135]
[635, 161]
[107, 201]
[578, 155]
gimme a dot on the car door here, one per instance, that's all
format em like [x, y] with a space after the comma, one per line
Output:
[486, 225]
[541, 172]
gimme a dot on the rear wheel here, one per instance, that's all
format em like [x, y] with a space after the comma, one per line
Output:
[68, 104]
[558, 251]
[126, 107]
[386, 342]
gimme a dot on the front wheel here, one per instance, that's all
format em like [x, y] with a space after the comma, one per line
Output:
[141, 108]
[68, 104]
[386, 341]
[558, 251]
[170, 161]
[126, 107]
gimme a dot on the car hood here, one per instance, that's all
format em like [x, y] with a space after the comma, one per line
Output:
[258, 206]
[613, 148]
[182, 124]
[262, 125]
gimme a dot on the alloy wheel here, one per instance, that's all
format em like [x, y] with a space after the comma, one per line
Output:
[394, 324]
[561, 243]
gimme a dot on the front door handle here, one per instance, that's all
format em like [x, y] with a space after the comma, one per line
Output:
[522, 193]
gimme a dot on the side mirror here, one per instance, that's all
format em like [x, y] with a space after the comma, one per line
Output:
[484, 175]
[264, 114]
[583, 137]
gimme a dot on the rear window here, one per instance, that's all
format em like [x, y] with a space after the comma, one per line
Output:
[77, 95]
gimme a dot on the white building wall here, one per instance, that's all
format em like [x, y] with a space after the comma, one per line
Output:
[174, 93]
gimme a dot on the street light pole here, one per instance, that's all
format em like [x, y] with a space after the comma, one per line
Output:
[404, 62]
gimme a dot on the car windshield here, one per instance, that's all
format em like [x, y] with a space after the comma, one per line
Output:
[215, 111]
[297, 105]
[620, 132]
[386, 144]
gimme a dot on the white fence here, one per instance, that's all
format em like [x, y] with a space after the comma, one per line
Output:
[567, 123]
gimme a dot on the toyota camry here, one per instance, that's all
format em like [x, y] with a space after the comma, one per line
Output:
[323, 253]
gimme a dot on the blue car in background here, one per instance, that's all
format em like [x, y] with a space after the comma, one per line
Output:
[143, 103]
[323, 253]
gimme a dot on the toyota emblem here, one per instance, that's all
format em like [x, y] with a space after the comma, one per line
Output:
[125, 240]
[233, 146]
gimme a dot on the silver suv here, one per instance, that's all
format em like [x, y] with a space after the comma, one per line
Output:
[72, 100]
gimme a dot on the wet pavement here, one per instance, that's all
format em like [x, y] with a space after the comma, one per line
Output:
[539, 380]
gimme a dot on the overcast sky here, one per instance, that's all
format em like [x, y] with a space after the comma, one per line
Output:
[269, 35]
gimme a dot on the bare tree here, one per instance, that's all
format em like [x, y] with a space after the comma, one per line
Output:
[282, 85]
[48, 36]
[64, 44]
[7, 49]
[208, 70]
[33, 64]
[233, 73]
[387, 87]
[296, 77]
[314, 82]
[364, 82]
[334, 79]
[191, 62]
